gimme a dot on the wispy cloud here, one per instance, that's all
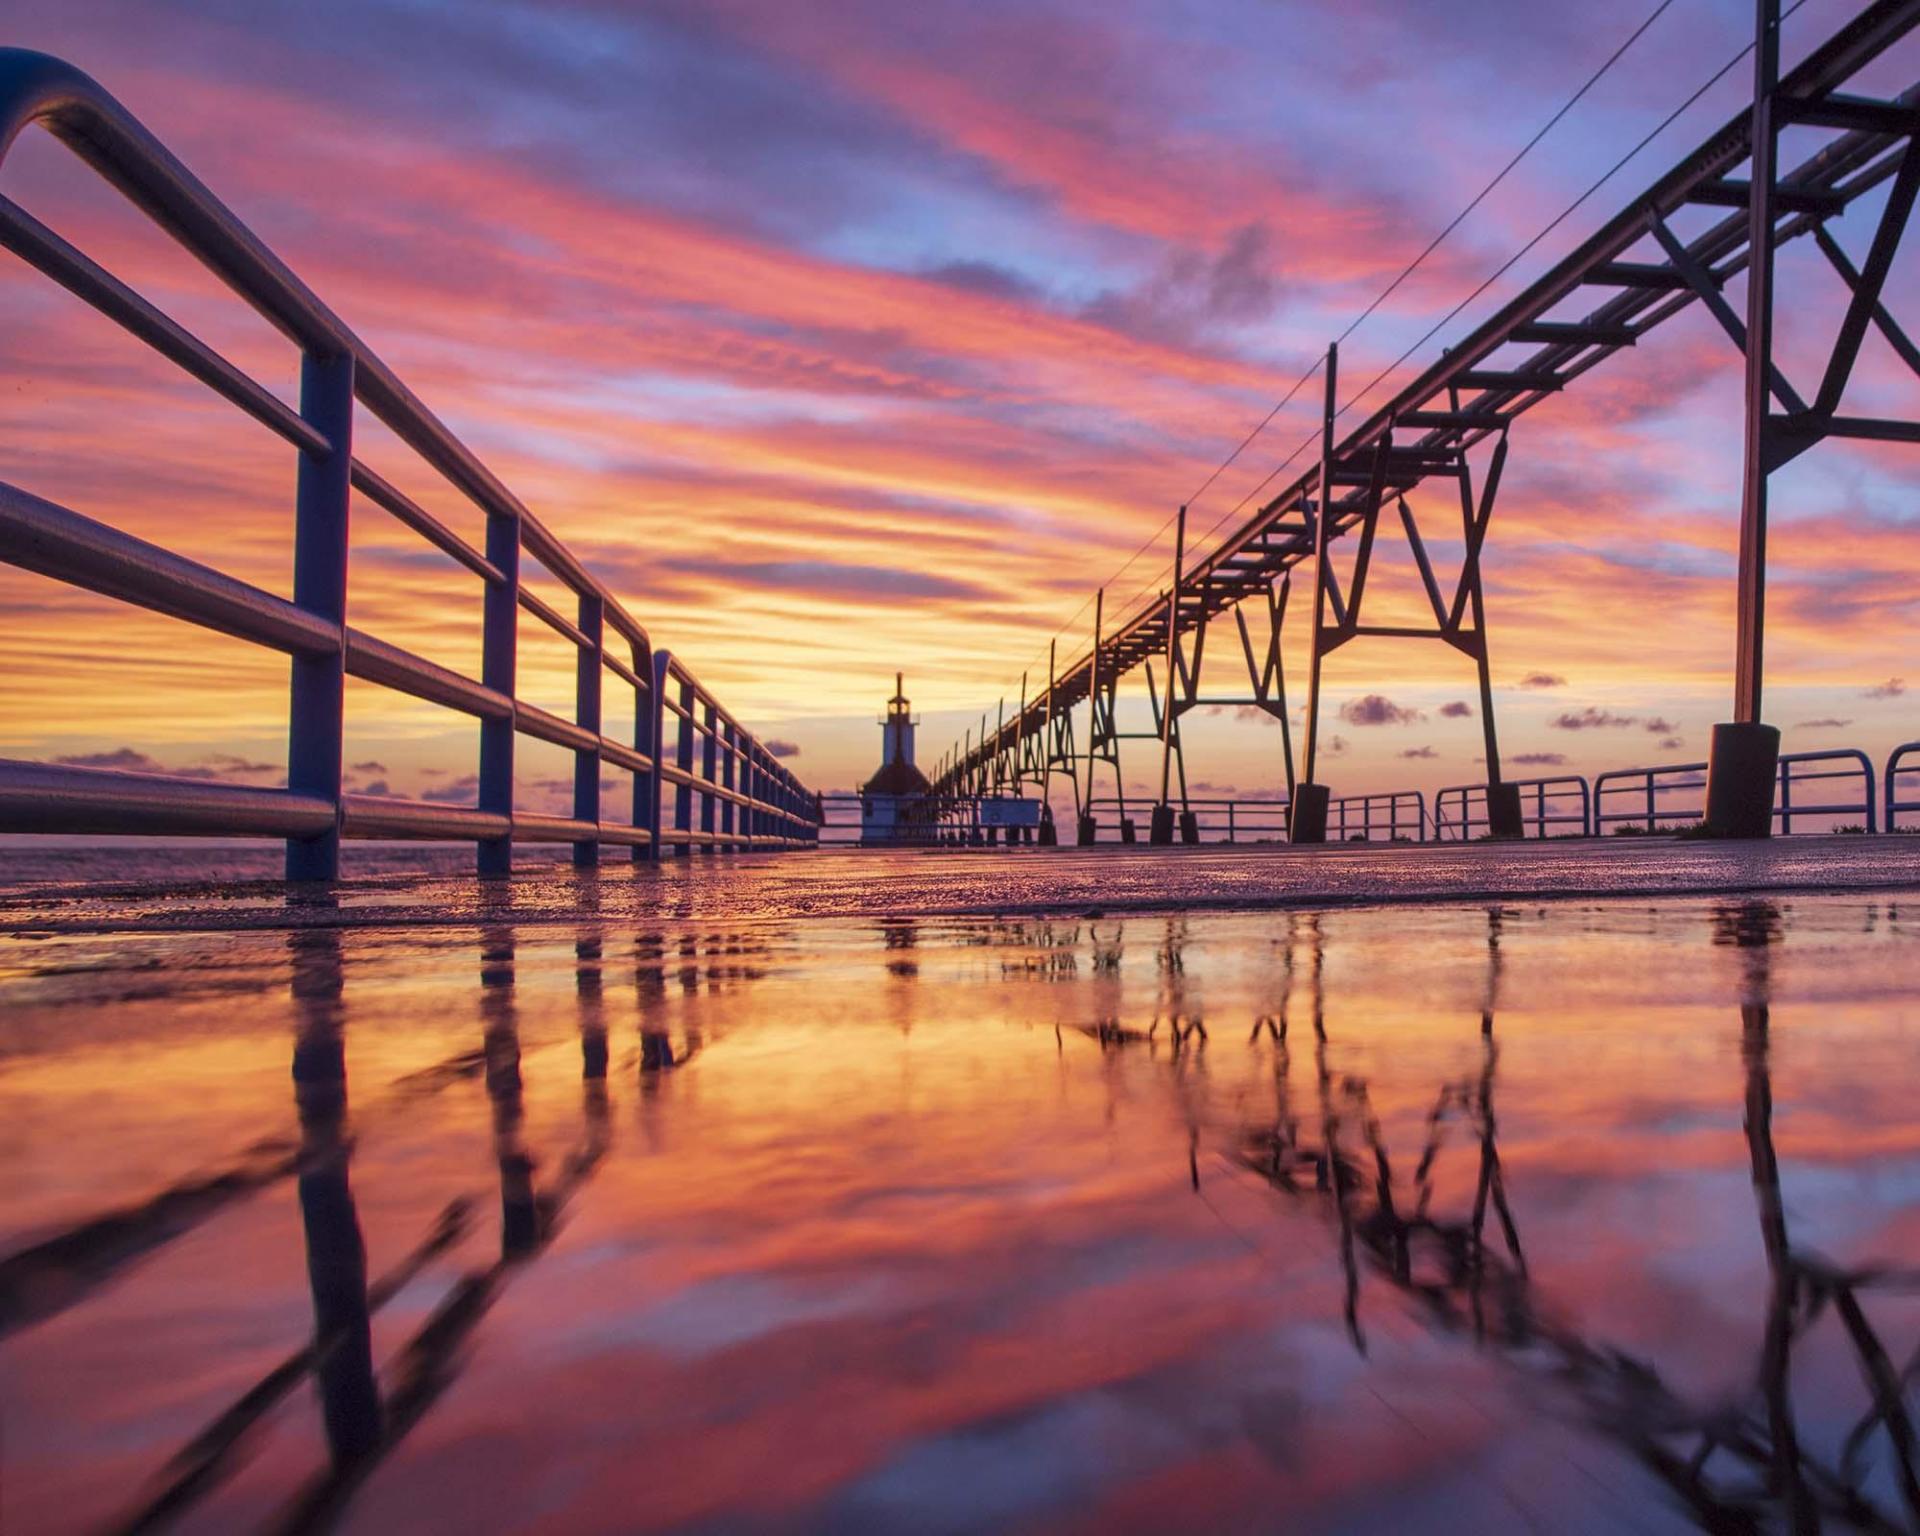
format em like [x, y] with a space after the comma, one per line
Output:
[1592, 719]
[1377, 709]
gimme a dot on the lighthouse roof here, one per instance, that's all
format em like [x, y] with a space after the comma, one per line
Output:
[897, 778]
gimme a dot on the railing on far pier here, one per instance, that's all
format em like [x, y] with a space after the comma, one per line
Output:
[1398, 815]
[338, 373]
[1217, 819]
[1648, 793]
[1902, 762]
[1117, 821]
[1562, 803]
[932, 823]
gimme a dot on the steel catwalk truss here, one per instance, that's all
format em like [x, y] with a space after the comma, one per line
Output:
[1472, 395]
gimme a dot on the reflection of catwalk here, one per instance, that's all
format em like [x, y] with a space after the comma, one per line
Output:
[1740, 1467]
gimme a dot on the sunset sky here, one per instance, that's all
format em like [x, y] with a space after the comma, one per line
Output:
[853, 337]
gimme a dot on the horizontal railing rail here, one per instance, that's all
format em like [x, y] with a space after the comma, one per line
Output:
[1902, 762]
[765, 807]
[1649, 792]
[1227, 820]
[1562, 801]
[921, 823]
[1121, 818]
[729, 791]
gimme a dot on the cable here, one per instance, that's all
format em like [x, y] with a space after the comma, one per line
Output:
[1525, 150]
[1434, 244]
[1284, 401]
[1506, 266]
[1494, 277]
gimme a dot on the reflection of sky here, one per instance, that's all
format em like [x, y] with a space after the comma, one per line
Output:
[980, 291]
[887, 1252]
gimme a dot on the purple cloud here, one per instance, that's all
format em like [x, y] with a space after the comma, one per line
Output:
[1591, 719]
[1892, 688]
[1377, 709]
[126, 759]
[462, 791]
[1457, 709]
[1540, 759]
[1541, 680]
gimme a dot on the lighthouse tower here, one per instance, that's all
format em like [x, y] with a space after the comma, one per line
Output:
[896, 729]
[889, 799]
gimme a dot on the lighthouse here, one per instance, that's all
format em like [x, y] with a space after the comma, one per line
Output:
[893, 801]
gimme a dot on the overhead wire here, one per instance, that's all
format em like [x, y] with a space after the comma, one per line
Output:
[1414, 265]
[1560, 218]
[1386, 293]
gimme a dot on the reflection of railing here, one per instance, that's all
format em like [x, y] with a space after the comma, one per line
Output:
[1903, 761]
[338, 371]
[1649, 790]
[1561, 802]
[1398, 815]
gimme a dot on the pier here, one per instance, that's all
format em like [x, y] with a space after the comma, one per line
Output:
[1042, 1134]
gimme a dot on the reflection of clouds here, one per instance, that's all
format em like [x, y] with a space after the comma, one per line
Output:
[856, 1262]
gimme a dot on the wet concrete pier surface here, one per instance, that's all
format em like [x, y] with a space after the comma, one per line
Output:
[414, 1207]
[237, 887]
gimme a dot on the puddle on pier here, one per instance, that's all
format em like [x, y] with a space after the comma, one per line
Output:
[1450, 1218]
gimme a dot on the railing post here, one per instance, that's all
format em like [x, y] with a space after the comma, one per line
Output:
[588, 678]
[316, 694]
[646, 739]
[683, 760]
[499, 651]
[709, 777]
[729, 753]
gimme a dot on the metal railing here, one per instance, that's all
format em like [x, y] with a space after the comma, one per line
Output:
[764, 805]
[1231, 821]
[1118, 822]
[933, 822]
[1651, 790]
[1562, 801]
[729, 791]
[1398, 815]
[1904, 760]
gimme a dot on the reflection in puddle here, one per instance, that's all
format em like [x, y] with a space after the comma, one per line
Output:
[1583, 1217]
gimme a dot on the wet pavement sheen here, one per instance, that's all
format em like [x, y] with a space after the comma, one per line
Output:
[1478, 1215]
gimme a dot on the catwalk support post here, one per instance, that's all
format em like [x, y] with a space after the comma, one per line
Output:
[1744, 760]
[1088, 825]
[1307, 809]
[1161, 828]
